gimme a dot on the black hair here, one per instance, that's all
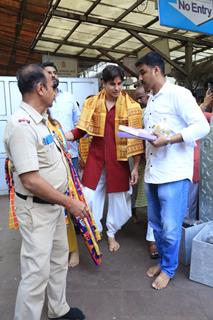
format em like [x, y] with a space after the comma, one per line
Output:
[29, 76]
[208, 80]
[152, 59]
[53, 121]
[111, 72]
[49, 64]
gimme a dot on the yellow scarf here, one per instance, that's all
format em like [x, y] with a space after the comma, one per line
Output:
[127, 112]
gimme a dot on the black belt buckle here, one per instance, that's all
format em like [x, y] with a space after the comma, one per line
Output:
[35, 199]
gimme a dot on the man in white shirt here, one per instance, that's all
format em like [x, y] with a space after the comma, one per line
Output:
[174, 116]
[65, 110]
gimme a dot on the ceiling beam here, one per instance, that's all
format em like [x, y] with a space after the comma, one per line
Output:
[96, 38]
[93, 6]
[79, 22]
[127, 27]
[67, 37]
[176, 48]
[130, 9]
[112, 59]
[203, 60]
[95, 60]
[150, 23]
[124, 14]
[151, 47]
[194, 52]
[129, 37]
[134, 52]
[82, 45]
[45, 23]
[120, 42]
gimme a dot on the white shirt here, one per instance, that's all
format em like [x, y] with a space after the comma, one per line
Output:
[175, 106]
[66, 111]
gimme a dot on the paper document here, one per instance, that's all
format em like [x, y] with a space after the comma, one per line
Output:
[135, 133]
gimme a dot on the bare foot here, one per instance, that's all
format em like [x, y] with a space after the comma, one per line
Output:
[161, 281]
[113, 244]
[153, 271]
[73, 259]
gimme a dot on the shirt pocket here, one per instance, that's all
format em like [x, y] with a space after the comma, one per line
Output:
[48, 154]
[52, 153]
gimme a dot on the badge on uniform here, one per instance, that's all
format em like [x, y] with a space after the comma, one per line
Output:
[23, 120]
[48, 139]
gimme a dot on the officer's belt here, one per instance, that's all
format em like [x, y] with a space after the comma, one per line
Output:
[35, 199]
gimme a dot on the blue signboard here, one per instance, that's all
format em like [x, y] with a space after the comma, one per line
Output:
[194, 15]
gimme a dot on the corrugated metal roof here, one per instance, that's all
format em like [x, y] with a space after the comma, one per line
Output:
[91, 30]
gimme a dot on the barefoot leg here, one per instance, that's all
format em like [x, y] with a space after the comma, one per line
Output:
[73, 259]
[153, 271]
[161, 281]
[113, 244]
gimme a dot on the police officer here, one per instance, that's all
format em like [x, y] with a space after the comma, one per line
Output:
[40, 179]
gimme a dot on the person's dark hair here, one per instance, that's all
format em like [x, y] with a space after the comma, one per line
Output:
[152, 59]
[53, 121]
[90, 96]
[29, 76]
[111, 72]
[208, 80]
[49, 64]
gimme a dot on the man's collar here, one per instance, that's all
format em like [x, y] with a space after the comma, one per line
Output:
[162, 89]
[33, 113]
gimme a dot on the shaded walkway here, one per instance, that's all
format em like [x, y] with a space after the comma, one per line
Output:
[118, 290]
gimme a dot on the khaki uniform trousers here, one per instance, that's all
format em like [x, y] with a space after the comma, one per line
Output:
[44, 260]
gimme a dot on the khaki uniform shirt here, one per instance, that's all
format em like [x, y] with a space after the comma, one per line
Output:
[30, 147]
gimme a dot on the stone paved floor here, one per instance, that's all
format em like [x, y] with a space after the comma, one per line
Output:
[118, 290]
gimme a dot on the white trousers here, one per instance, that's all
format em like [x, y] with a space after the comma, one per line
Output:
[149, 233]
[119, 206]
[44, 260]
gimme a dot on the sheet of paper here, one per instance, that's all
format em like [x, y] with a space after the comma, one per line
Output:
[135, 133]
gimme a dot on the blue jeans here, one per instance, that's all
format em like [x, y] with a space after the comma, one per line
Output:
[167, 205]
